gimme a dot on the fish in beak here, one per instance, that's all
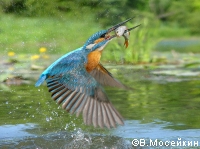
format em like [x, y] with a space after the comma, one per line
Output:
[125, 32]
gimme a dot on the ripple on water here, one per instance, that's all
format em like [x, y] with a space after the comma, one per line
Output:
[19, 136]
[65, 140]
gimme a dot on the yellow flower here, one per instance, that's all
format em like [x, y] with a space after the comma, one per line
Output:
[35, 57]
[11, 54]
[42, 49]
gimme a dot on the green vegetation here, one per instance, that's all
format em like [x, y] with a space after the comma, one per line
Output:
[62, 26]
[27, 35]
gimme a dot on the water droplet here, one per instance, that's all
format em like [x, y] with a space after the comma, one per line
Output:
[73, 125]
[6, 102]
[66, 126]
[39, 90]
[33, 116]
[47, 119]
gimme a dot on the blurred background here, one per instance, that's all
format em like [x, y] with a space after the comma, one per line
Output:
[60, 26]
[35, 33]
[162, 64]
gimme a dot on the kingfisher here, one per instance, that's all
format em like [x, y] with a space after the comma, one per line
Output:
[77, 78]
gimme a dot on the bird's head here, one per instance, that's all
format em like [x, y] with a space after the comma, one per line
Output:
[102, 37]
[99, 45]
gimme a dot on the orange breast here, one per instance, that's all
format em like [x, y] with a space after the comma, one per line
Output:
[93, 60]
[99, 40]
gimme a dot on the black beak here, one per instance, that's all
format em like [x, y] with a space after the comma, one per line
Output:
[132, 28]
[119, 24]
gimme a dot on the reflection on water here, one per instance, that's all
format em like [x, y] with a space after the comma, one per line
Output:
[156, 130]
[15, 131]
[158, 107]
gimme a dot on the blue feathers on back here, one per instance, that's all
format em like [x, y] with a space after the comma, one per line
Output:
[58, 66]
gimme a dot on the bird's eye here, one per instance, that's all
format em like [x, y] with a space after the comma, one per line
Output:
[103, 35]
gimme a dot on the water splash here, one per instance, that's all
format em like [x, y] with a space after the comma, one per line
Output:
[79, 140]
[49, 119]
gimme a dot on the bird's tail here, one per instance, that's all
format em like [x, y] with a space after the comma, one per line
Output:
[40, 80]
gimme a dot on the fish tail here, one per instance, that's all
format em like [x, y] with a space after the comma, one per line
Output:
[126, 43]
[40, 80]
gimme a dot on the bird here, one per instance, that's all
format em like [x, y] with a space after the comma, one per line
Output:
[76, 81]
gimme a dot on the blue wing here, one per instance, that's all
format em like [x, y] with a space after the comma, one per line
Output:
[59, 66]
[78, 92]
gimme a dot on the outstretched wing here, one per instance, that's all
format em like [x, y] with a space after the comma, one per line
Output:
[104, 77]
[79, 92]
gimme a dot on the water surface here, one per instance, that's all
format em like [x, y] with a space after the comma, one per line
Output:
[163, 107]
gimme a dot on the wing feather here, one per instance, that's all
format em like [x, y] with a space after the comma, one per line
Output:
[68, 99]
[117, 117]
[78, 93]
[95, 116]
[85, 111]
[77, 104]
[56, 97]
[105, 116]
[82, 105]
[104, 77]
[73, 101]
[100, 116]
[110, 116]
[90, 112]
